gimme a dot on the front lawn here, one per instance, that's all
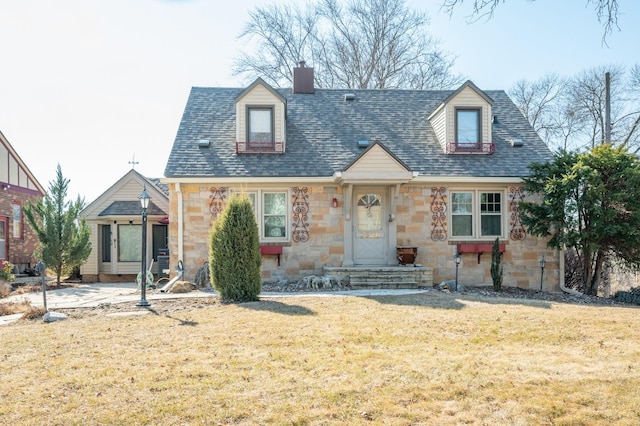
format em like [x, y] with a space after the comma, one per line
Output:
[426, 359]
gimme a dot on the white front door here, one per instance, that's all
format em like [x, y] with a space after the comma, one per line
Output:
[370, 226]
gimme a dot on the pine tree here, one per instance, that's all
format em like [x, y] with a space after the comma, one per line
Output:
[64, 240]
[234, 253]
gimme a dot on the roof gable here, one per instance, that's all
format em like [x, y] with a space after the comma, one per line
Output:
[469, 85]
[369, 164]
[14, 172]
[260, 82]
[120, 198]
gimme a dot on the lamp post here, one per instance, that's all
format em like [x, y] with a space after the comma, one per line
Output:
[543, 263]
[41, 268]
[144, 202]
[457, 258]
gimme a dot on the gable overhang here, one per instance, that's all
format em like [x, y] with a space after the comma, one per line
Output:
[355, 179]
[38, 189]
[467, 84]
[261, 82]
[244, 180]
[475, 180]
[112, 194]
[376, 165]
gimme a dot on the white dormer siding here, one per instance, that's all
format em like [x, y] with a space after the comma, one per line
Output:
[261, 96]
[439, 123]
[443, 120]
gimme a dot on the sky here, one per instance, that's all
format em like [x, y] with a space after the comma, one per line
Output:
[99, 86]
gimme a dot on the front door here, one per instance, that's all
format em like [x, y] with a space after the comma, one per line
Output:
[370, 226]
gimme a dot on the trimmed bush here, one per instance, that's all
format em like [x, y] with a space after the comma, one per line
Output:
[496, 268]
[234, 253]
[631, 296]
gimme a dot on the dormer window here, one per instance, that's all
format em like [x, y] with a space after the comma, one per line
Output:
[260, 120]
[260, 125]
[468, 127]
[462, 122]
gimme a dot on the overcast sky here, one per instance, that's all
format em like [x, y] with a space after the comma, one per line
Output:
[89, 84]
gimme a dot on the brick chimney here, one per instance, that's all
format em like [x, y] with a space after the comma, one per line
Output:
[302, 79]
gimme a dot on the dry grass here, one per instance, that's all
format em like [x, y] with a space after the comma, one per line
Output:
[428, 359]
[10, 308]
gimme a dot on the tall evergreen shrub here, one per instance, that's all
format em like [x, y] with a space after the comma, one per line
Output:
[234, 253]
[496, 268]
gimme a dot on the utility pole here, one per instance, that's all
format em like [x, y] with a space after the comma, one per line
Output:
[607, 108]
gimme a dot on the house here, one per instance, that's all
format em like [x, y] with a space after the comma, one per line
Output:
[115, 221]
[18, 187]
[345, 182]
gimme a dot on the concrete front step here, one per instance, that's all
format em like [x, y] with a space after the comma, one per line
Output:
[382, 277]
[383, 285]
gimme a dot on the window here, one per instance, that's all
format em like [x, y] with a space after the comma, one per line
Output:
[462, 214]
[476, 210]
[468, 126]
[129, 243]
[490, 214]
[271, 214]
[160, 239]
[260, 125]
[3, 238]
[105, 243]
[274, 215]
[17, 221]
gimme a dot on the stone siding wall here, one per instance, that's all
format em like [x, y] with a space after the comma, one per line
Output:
[418, 222]
[417, 218]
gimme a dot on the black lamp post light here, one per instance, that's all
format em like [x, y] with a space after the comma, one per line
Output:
[543, 263]
[457, 259]
[144, 202]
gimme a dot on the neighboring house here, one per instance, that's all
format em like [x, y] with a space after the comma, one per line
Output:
[344, 180]
[18, 187]
[115, 220]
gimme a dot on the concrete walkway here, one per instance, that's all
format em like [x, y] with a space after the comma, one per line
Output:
[93, 295]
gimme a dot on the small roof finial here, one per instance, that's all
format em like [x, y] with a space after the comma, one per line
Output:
[133, 162]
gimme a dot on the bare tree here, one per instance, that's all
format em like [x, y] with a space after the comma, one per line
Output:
[371, 44]
[607, 11]
[537, 100]
[569, 113]
[285, 35]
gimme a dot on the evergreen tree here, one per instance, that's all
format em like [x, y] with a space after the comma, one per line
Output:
[234, 253]
[64, 240]
[589, 202]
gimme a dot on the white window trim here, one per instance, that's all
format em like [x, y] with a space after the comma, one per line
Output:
[272, 126]
[258, 209]
[476, 216]
[18, 224]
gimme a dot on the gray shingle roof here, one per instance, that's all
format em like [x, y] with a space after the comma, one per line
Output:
[163, 187]
[323, 130]
[130, 208]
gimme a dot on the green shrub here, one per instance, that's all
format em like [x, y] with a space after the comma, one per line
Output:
[631, 296]
[496, 268]
[234, 253]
